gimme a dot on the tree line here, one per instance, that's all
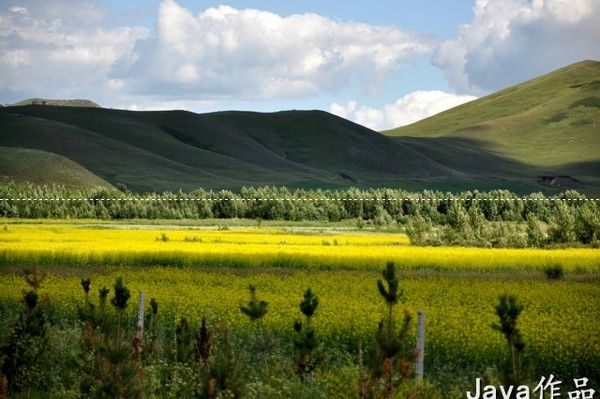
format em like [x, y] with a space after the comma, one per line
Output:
[467, 218]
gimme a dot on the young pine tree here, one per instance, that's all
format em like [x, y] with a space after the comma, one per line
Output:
[255, 310]
[28, 340]
[305, 341]
[391, 339]
[203, 343]
[508, 311]
[118, 372]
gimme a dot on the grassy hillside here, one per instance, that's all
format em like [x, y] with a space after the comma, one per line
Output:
[541, 135]
[177, 149]
[42, 167]
[551, 121]
[57, 102]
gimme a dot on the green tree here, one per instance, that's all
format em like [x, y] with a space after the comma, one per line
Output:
[561, 228]
[508, 311]
[535, 235]
[391, 340]
[305, 341]
[587, 223]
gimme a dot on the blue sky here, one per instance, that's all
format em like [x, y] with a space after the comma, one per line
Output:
[437, 17]
[381, 63]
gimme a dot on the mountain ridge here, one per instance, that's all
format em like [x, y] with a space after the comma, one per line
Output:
[550, 120]
[171, 150]
[77, 102]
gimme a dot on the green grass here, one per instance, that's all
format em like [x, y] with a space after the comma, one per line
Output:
[544, 127]
[551, 121]
[42, 167]
[150, 151]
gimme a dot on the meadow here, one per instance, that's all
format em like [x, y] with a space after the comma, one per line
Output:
[196, 271]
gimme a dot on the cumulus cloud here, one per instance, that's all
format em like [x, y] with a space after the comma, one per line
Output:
[509, 41]
[72, 48]
[44, 54]
[405, 110]
[224, 52]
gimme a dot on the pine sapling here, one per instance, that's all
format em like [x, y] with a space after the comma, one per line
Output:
[183, 340]
[119, 301]
[203, 342]
[102, 299]
[305, 342]
[28, 340]
[151, 333]
[391, 341]
[255, 310]
[87, 311]
[508, 311]
[119, 371]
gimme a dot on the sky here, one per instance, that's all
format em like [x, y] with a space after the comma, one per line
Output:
[380, 63]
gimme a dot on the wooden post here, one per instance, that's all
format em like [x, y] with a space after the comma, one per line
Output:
[138, 340]
[419, 366]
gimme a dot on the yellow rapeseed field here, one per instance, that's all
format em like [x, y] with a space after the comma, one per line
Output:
[81, 245]
[559, 323]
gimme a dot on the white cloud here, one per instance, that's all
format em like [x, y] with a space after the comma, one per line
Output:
[224, 52]
[72, 48]
[405, 110]
[18, 10]
[46, 55]
[509, 41]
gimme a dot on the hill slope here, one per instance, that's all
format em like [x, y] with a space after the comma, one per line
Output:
[41, 167]
[177, 149]
[550, 121]
[541, 135]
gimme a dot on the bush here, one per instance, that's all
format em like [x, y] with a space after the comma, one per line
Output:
[554, 272]
[163, 237]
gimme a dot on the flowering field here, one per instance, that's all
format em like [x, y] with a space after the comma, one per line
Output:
[80, 245]
[457, 288]
[559, 323]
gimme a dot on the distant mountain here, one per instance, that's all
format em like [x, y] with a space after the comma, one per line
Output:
[56, 102]
[552, 121]
[171, 150]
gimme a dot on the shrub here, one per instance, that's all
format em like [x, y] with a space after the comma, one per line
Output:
[554, 272]
[192, 239]
[163, 237]
[418, 229]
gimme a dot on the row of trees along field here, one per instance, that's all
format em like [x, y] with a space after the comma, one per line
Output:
[430, 217]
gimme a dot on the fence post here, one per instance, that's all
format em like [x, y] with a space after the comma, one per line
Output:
[419, 366]
[138, 340]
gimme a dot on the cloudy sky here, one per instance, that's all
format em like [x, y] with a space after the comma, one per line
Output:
[381, 63]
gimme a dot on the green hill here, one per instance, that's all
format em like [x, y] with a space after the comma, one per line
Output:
[552, 121]
[541, 135]
[178, 149]
[40, 167]
[56, 102]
